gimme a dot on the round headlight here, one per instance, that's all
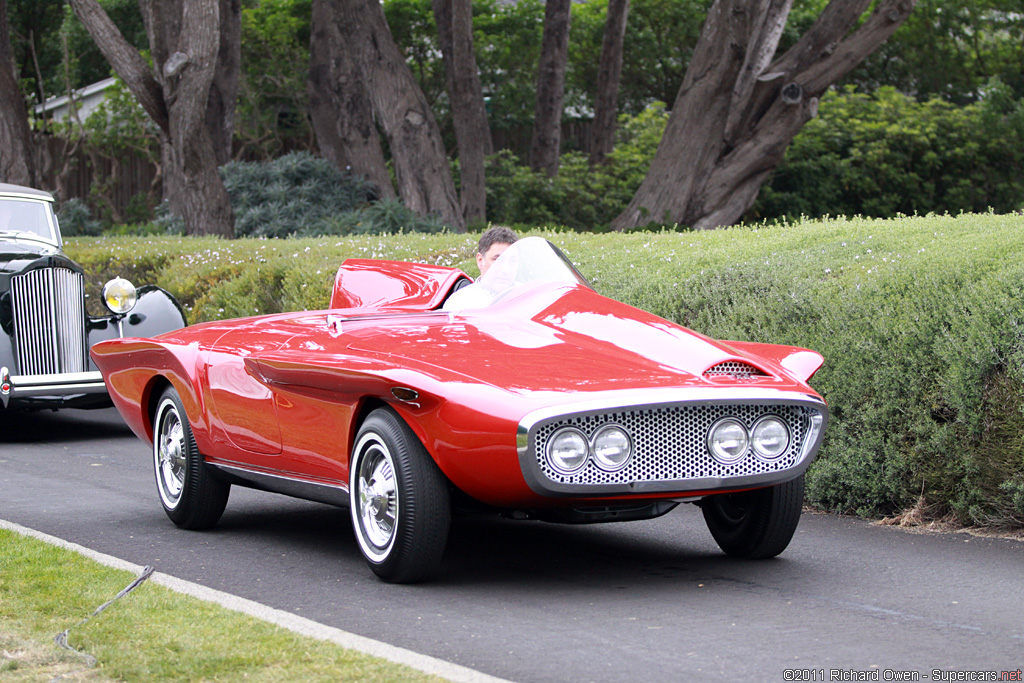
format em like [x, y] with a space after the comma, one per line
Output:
[728, 440]
[770, 437]
[119, 295]
[612, 448]
[567, 451]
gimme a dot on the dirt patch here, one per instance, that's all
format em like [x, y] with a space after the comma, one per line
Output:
[25, 660]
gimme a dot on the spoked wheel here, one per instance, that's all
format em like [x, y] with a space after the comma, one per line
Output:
[399, 500]
[755, 524]
[191, 496]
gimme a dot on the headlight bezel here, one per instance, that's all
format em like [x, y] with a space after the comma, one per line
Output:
[596, 452]
[716, 436]
[119, 296]
[756, 444]
[558, 464]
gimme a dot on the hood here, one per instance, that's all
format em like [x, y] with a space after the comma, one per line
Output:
[19, 255]
[559, 338]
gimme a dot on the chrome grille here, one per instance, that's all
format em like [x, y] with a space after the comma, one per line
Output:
[670, 443]
[49, 321]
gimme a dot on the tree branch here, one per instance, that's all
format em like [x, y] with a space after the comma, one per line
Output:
[124, 59]
[883, 22]
[763, 36]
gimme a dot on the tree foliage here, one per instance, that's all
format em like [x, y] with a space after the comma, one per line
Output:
[272, 91]
[951, 49]
[946, 51]
[884, 154]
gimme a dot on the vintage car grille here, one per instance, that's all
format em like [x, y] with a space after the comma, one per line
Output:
[49, 321]
[670, 443]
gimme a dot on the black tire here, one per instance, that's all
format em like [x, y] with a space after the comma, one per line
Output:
[191, 496]
[755, 524]
[399, 500]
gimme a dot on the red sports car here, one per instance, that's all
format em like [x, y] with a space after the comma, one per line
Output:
[525, 393]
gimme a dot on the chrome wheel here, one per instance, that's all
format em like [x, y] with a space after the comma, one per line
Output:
[169, 454]
[376, 497]
[192, 497]
[399, 500]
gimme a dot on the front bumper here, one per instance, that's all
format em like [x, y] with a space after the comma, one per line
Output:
[66, 390]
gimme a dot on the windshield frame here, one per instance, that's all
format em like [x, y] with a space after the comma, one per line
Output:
[12, 232]
[525, 264]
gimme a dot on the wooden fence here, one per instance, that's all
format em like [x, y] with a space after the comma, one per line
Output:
[109, 183]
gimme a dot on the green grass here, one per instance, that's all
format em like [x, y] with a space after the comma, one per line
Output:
[151, 634]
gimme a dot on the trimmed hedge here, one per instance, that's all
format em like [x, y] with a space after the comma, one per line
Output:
[920, 321]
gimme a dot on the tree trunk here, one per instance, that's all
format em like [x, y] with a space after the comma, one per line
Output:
[339, 107]
[602, 133]
[738, 110]
[421, 165]
[469, 117]
[17, 161]
[547, 121]
[185, 41]
[220, 106]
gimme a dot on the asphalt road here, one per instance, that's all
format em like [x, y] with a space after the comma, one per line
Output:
[529, 601]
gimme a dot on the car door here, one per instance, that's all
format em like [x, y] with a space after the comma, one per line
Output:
[244, 409]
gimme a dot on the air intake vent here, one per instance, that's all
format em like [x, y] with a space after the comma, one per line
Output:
[49, 321]
[733, 368]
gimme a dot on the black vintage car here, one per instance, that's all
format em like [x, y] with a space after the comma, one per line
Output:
[44, 345]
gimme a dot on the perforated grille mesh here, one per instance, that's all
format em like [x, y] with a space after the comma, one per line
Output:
[670, 443]
[733, 368]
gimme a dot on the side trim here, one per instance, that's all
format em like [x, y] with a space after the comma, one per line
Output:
[320, 492]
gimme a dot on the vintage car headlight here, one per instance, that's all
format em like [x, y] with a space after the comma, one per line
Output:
[119, 296]
[728, 440]
[567, 451]
[770, 437]
[612, 448]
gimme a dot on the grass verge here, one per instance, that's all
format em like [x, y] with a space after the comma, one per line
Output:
[151, 634]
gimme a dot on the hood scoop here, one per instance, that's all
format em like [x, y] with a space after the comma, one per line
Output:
[734, 369]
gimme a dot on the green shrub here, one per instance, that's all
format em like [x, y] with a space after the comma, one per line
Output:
[878, 155]
[296, 193]
[75, 218]
[302, 195]
[384, 217]
[581, 196]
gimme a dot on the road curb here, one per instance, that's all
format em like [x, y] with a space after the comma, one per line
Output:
[297, 624]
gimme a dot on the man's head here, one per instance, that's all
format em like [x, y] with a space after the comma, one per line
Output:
[493, 243]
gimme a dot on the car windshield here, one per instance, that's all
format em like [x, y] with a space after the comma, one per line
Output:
[529, 261]
[25, 217]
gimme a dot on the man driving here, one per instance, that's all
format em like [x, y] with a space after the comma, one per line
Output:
[492, 244]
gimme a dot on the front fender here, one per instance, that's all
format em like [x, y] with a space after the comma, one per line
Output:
[155, 312]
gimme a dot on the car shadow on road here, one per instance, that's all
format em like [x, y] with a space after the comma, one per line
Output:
[489, 550]
[676, 547]
[57, 426]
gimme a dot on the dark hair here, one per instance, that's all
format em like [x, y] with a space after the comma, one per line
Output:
[496, 234]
